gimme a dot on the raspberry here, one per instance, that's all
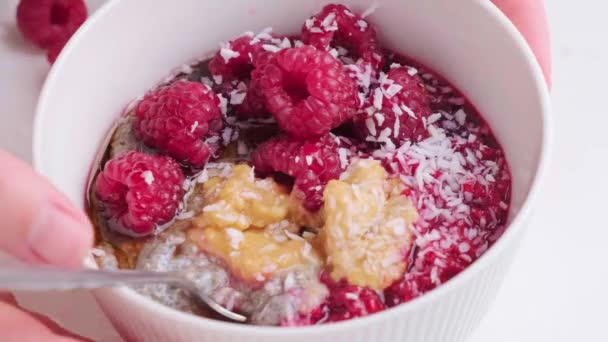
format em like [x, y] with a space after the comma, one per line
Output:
[312, 163]
[346, 301]
[412, 93]
[54, 51]
[336, 25]
[139, 191]
[253, 105]
[400, 116]
[175, 118]
[46, 23]
[236, 59]
[307, 91]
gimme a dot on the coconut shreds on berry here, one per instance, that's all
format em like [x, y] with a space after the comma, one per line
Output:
[397, 111]
[237, 58]
[235, 61]
[335, 26]
[325, 178]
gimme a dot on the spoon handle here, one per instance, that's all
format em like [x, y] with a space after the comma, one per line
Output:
[46, 278]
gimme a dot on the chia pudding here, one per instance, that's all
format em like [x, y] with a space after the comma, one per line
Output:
[301, 179]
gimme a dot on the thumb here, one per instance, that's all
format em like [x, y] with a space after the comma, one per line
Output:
[530, 17]
[37, 223]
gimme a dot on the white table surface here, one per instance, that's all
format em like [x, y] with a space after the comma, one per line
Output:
[557, 288]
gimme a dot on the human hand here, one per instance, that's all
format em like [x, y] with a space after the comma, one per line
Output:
[39, 226]
[530, 18]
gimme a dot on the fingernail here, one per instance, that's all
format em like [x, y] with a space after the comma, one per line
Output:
[58, 236]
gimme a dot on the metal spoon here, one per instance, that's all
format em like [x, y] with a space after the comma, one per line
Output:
[46, 278]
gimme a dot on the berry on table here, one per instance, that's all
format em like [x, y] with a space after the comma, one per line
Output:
[54, 51]
[50, 23]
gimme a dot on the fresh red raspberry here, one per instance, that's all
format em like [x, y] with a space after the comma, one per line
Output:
[253, 105]
[139, 191]
[400, 113]
[335, 26]
[307, 91]
[312, 163]
[54, 51]
[412, 93]
[236, 59]
[46, 23]
[176, 118]
[346, 301]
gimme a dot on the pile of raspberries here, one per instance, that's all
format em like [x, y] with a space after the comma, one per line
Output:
[310, 85]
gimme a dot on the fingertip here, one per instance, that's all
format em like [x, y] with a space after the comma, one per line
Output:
[60, 236]
[39, 224]
[530, 18]
[7, 297]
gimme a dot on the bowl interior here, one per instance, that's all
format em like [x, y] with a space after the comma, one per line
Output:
[129, 46]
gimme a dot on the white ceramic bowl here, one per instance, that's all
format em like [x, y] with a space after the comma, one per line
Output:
[129, 45]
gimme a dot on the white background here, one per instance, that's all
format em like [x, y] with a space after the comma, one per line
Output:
[557, 287]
